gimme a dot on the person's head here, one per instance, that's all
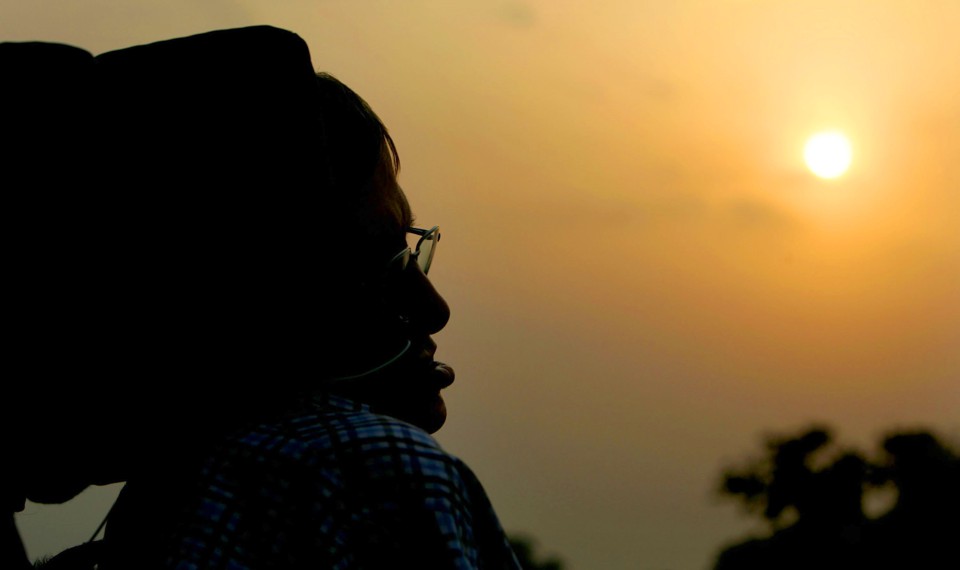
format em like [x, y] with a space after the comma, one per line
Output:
[263, 233]
[379, 345]
[281, 190]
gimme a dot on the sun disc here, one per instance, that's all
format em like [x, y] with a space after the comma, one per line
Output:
[828, 154]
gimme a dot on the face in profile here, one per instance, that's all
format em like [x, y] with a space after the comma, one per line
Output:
[396, 371]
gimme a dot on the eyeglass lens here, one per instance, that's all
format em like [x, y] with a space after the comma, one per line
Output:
[426, 247]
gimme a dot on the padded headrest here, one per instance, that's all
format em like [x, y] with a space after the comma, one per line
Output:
[228, 103]
[237, 99]
[116, 169]
[41, 101]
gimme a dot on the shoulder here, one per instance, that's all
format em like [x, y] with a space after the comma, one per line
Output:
[352, 441]
[378, 447]
[338, 483]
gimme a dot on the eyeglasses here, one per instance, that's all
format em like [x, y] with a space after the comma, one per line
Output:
[422, 253]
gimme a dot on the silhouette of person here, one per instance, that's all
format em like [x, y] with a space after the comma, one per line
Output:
[228, 283]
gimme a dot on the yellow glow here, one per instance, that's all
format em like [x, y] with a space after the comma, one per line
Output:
[828, 154]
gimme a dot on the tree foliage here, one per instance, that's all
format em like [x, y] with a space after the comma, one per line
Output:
[811, 492]
[525, 548]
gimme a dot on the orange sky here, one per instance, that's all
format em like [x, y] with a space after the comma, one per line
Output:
[643, 275]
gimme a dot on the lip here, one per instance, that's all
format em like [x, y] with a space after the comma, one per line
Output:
[429, 348]
[444, 374]
[439, 375]
[423, 352]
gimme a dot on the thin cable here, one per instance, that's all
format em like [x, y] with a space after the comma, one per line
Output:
[103, 523]
[375, 369]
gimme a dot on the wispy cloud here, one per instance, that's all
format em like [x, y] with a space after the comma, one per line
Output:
[517, 14]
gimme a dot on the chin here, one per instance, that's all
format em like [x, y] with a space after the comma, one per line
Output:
[436, 421]
[428, 416]
[55, 493]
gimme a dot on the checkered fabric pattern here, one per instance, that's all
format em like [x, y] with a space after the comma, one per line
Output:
[337, 486]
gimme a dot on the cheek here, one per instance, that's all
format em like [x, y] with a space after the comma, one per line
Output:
[359, 339]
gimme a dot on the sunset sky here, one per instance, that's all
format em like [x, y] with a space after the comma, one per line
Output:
[644, 276]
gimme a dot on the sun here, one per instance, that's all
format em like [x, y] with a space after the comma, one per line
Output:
[828, 154]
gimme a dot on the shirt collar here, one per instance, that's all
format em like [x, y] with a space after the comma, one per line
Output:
[335, 402]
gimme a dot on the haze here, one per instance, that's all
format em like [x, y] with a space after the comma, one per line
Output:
[644, 276]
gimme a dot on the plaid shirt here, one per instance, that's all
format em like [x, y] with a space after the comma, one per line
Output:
[337, 486]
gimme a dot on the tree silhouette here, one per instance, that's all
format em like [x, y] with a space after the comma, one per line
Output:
[810, 492]
[524, 547]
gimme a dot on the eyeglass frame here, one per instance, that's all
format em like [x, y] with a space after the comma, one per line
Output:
[407, 254]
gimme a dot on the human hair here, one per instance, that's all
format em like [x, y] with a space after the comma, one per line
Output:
[356, 136]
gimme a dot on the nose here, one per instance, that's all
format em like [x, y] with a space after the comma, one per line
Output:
[426, 308]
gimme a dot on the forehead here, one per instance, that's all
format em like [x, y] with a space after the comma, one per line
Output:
[398, 206]
[387, 213]
[391, 205]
